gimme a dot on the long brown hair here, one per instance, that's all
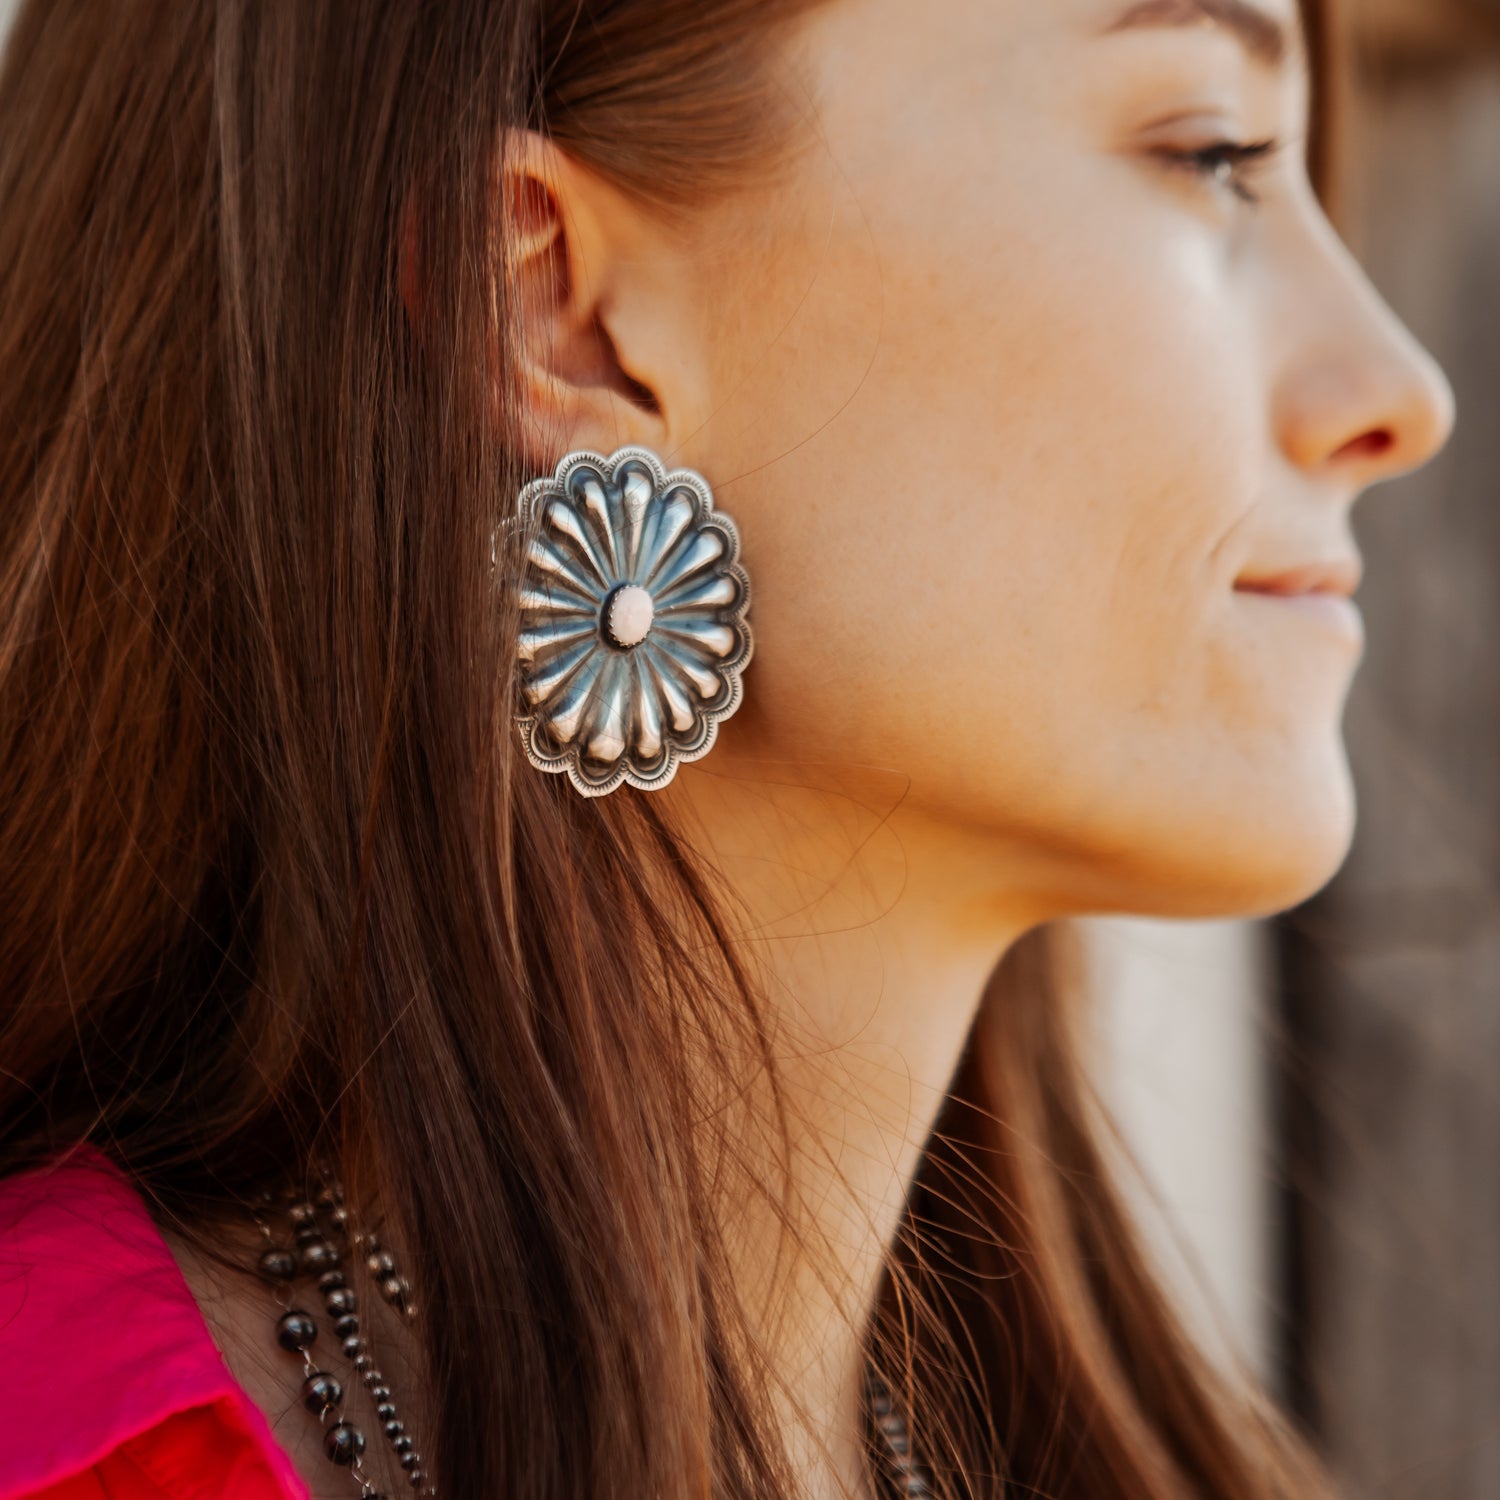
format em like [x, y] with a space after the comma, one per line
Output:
[272, 882]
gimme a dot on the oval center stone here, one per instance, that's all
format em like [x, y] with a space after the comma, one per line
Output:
[629, 616]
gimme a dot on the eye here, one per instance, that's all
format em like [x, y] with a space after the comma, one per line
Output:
[1230, 164]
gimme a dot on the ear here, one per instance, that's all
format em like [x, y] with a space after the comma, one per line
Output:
[602, 295]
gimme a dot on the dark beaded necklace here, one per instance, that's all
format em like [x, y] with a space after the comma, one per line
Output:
[321, 1240]
[902, 1473]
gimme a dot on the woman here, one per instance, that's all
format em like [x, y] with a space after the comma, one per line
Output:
[609, 1095]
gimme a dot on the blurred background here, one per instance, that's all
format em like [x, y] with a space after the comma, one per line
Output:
[1389, 988]
[1315, 1101]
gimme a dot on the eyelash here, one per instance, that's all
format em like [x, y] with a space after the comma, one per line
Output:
[1241, 157]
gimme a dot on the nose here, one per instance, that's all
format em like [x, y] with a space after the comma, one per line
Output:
[1360, 399]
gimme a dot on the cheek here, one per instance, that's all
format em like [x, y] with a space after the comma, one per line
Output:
[996, 452]
[997, 554]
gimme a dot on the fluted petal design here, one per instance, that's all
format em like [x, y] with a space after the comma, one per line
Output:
[540, 686]
[601, 520]
[550, 598]
[607, 711]
[606, 725]
[664, 526]
[698, 634]
[541, 642]
[696, 552]
[636, 491]
[680, 667]
[546, 559]
[565, 521]
[650, 732]
[567, 709]
[679, 706]
[697, 594]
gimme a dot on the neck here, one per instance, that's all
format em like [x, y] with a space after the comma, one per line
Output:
[873, 931]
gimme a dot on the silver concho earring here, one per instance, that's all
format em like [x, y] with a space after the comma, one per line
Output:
[633, 629]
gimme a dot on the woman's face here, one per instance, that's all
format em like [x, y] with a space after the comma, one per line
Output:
[1016, 379]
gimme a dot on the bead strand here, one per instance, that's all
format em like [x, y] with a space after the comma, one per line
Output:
[341, 1303]
[906, 1475]
[317, 1255]
[297, 1331]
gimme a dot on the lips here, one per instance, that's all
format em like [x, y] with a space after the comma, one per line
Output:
[1338, 575]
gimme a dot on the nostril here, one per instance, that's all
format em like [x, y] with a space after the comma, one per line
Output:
[1372, 444]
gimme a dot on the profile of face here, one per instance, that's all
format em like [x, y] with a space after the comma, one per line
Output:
[1041, 391]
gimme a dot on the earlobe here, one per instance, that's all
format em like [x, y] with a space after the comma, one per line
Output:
[571, 245]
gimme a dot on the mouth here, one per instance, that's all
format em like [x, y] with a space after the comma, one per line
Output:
[1337, 577]
[1322, 591]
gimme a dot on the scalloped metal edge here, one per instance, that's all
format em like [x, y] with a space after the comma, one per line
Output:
[536, 492]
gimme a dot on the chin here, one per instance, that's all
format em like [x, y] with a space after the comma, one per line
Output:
[1276, 861]
[1252, 853]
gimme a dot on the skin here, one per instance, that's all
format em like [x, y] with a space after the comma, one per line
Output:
[1010, 405]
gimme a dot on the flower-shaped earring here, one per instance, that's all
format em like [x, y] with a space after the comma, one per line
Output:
[633, 629]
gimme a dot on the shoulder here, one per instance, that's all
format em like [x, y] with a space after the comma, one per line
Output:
[109, 1379]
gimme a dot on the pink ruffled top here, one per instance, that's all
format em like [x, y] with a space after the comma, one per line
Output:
[111, 1385]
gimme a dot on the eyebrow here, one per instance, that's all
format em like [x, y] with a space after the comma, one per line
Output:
[1262, 36]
